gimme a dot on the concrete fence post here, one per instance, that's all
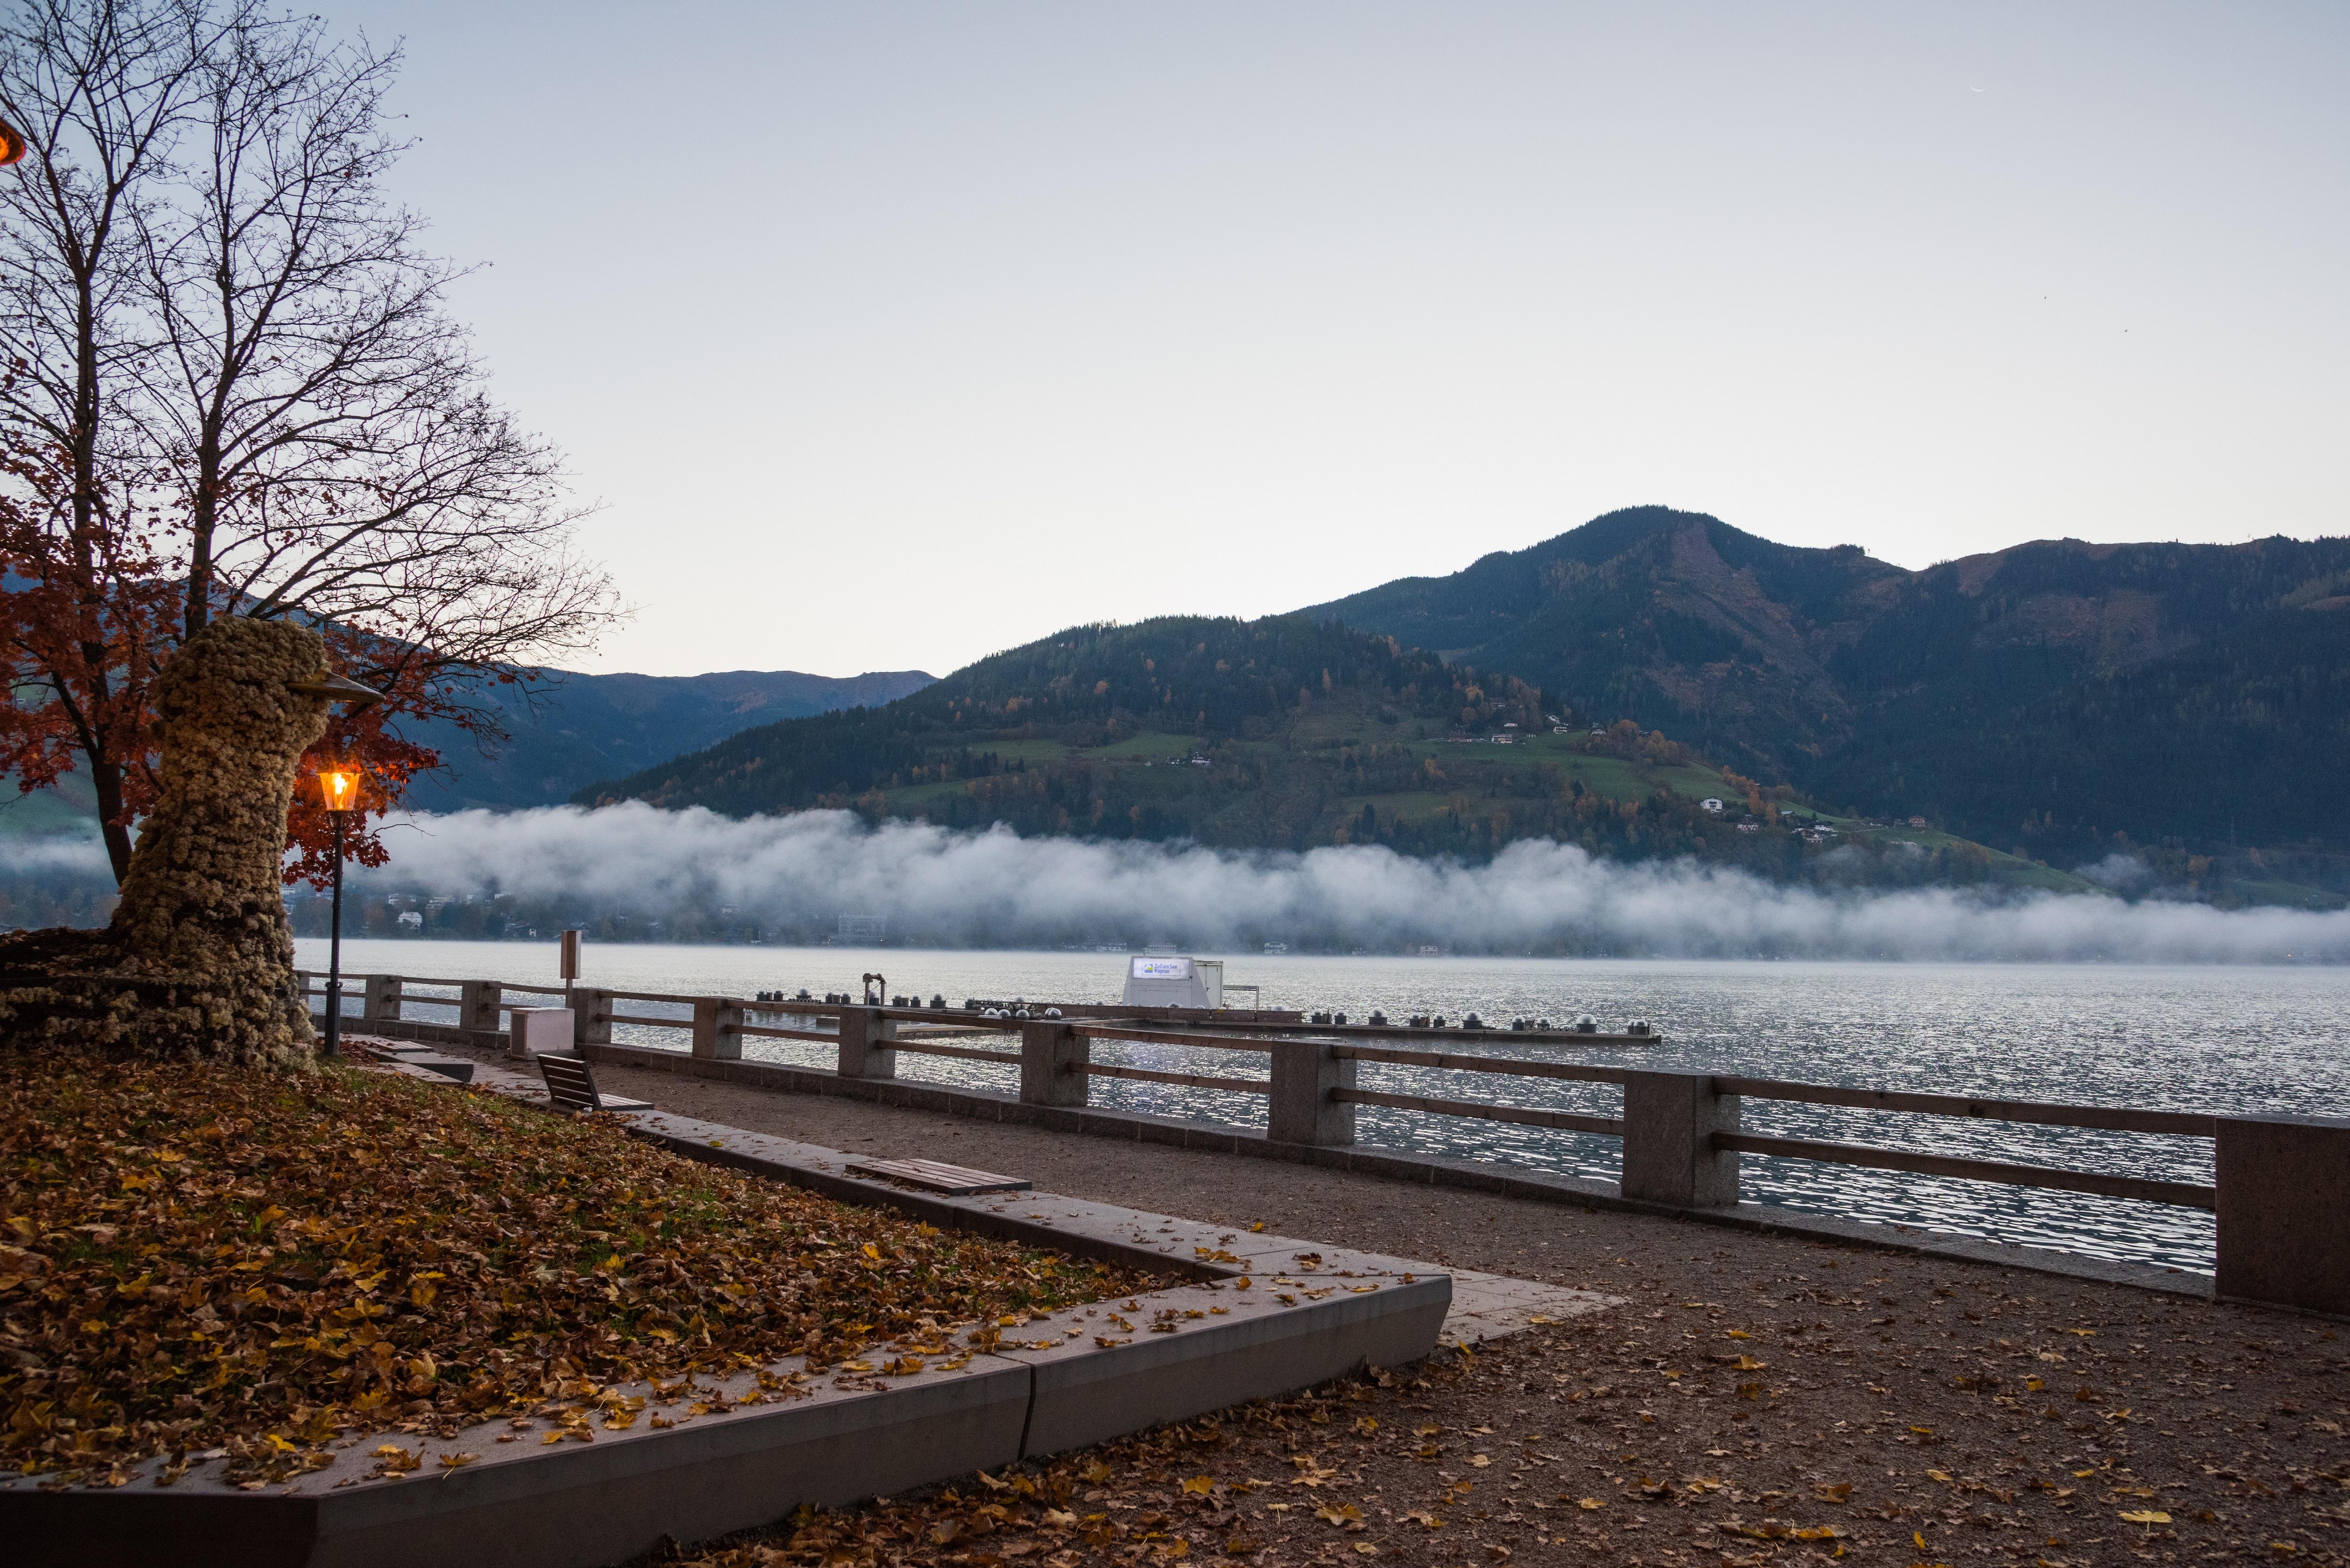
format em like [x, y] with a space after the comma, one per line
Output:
[478, 1003]
[2285, 1212]
[1053, 1058]
[717, 1028]
[1669, 1120]
[1301, 1110]
[591, 1017]
[383, 997]
[865, 1043]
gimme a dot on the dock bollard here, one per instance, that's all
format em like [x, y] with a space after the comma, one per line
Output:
[1053, 1059]
[2285, 1212]
[1669, 1120]
[865, 1048]
[1301, 1109]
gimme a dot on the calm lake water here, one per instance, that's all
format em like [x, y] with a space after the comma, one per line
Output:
[2190, 1039]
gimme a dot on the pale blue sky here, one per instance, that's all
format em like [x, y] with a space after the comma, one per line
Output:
[891, 334]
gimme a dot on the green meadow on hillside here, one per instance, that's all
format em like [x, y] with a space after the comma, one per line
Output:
[1284, 734]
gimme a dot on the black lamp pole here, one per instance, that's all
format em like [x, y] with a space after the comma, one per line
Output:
[335, 949]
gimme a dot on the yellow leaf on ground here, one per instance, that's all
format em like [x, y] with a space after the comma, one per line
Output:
[1200, 1486]
[2146, 1516]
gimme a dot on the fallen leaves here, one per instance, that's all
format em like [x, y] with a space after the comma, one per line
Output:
[212, 1257]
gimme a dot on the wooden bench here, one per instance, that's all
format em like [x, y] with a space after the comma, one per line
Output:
[571, 1086]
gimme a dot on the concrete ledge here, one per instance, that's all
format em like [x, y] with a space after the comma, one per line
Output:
[1397, 1165]
[574, 1504]
[1083, 1398]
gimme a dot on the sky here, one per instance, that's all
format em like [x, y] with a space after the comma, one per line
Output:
[889, 336]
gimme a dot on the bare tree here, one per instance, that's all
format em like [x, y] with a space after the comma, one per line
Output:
[99, 93]
[335, 453]
[219, 303]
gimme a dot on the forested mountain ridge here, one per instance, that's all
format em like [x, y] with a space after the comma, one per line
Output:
[1652, 614]
[2058, 696]
[579, 728]
[1285, 733]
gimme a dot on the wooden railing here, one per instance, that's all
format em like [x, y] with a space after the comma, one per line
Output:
[1682, 1132]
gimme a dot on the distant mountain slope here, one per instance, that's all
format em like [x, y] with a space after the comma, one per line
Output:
[2051, 695]
[1671, 618]
[2056, 693]
[593, 726]
[1281, 733]
[1184, 680]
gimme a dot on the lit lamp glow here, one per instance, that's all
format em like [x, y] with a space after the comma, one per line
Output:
[340, 787]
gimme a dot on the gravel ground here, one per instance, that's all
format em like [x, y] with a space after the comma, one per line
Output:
[1757, 1399]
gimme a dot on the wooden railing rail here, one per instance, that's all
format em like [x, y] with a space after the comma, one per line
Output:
[1184, 1080]
[1448, 1061]
[1478, 1110]
[1167, 1037]
[963, 1053]
[2185, 1194]
[2112, 1118]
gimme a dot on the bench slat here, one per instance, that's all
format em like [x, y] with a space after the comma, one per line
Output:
[955, 1181]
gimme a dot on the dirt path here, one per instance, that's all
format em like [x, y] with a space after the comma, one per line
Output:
[1753, 1389]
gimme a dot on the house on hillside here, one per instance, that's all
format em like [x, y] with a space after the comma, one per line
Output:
[1712, 804]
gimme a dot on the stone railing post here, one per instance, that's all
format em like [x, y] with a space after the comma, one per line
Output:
[2285, 1212]
[1053, 1058]
[591, 1017]
[864, 1049]
[717, 1028]
[1301, 1111]
[1669, 1120]
[478, 1004]
[383, 998]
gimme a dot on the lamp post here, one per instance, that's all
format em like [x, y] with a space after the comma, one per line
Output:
[340, 786]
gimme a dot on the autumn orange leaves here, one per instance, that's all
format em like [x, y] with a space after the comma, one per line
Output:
[200, 1258]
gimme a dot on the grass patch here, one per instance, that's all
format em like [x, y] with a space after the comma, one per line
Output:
[197, 1257]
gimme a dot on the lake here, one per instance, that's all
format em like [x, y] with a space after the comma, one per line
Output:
[2218, 1039]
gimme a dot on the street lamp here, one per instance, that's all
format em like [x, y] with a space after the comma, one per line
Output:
[340, 786]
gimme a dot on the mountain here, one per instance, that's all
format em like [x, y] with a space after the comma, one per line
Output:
[1673, 620]
[581, 728]
[1285, 732]
[2052, 695]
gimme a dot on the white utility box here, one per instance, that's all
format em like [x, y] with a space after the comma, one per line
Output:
[539, 1032]
[1163, 979]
